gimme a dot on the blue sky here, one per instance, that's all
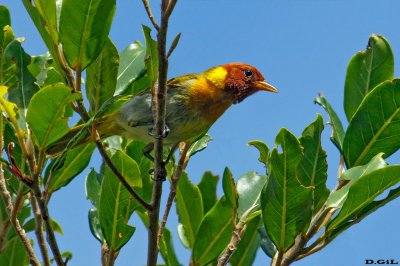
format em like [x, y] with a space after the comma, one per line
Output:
[301, 47]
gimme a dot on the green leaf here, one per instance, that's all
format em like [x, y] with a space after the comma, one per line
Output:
[285, 203]
[40, 24]
[266, 244]
[45, 114]
[76, 161]
[228, 184]
[249, 187]
[29, 226]
[182, 236]
[84, 28]
[246, 250]
[337, 198]
[114, 199]
[47, 10]
[189, 206]
[364, 191]
[15, 254]
[312, 169]
[199, 145]
[263, 148]
[151, 59]
[66, 254]
[337, 127]
[101, 76]
[139, 84]
[8, 67]
[130, 67]
[41, 68]
[374, 127]
[5, 18]
[93, 186]
[208, 190]
[365, 71]
[167, 249]
[94, 225]
[26, 87]
[216, 231]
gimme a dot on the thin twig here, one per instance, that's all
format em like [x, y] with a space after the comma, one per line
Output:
[18, 229]
[236, 236]
[151, 17]
[39, 231]
[174, 185]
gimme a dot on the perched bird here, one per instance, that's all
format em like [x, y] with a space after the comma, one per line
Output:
[194, 102]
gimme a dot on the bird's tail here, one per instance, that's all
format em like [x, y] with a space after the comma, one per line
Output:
[103, 127]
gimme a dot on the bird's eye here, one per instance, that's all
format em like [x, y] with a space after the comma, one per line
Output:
[248, 73]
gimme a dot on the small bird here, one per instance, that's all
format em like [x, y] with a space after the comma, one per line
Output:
[193, 103]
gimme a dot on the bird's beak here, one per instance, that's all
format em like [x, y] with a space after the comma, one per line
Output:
[264, 86]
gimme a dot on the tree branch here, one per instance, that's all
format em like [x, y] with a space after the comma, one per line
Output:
[236, 236]
[151, 17]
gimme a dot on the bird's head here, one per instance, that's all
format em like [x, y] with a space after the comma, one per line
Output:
[239, 79]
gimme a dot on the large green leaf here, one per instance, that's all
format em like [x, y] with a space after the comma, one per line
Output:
[286, 204]
[266, 244]
[46, 113]
[246, 250]
[5, 18]
[47, 10]
[208, 190]
[199, 145]
[337, 127]
[94, 225]
[337, 198]
[214, 234]
[189, 206]
[365, 71]
[249, 187]
[26, 87]
[77, 160]
[7, 67]
[374, 127]
[312, 168]
[101, 76]
[15, 254]
[151, 59]
[364, 191]
[131, 64]
[228, 184]
[93, 186]
[84, 28]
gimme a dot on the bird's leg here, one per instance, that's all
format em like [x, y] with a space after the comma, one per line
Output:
[163, 135]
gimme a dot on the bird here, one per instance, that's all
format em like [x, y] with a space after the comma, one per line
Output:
[194, 102]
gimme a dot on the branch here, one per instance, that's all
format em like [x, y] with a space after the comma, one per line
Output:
[236, 236]
[174, 185]
[151, 17]
[39, 231]
[18, 229]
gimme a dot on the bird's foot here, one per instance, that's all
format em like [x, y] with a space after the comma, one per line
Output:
[163, 135]
[162, 176]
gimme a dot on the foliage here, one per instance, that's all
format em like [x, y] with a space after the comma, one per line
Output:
[290, 201]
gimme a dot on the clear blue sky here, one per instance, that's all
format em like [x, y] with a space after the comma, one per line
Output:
[301, 47]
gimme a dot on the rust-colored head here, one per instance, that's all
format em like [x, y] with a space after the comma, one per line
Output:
[244, 80]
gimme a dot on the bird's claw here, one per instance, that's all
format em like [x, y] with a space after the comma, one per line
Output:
[163, 135]
[162, 176]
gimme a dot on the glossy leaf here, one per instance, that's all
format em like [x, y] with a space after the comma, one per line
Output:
[228, 184]
[249, 187]
[365, 71]
[29, 226]
[5, 18]
[285, 203]
[101, 76]
[46, 111]
[364, 191]
[131, 65]
[151, 58]
[246, 250]
[94, 225]
[337, 198]
[182, 236]
[216, 231]
[26, 87]
[189, 206]
[47, 9]
[84, 28]
[7, 76]
[208, 188]
[266, 244]
[199, 145]
[77, 160]
[312, 169]
[93, 186]
[262, 148]
[14, 254]
[374, 127]
[338, 133]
